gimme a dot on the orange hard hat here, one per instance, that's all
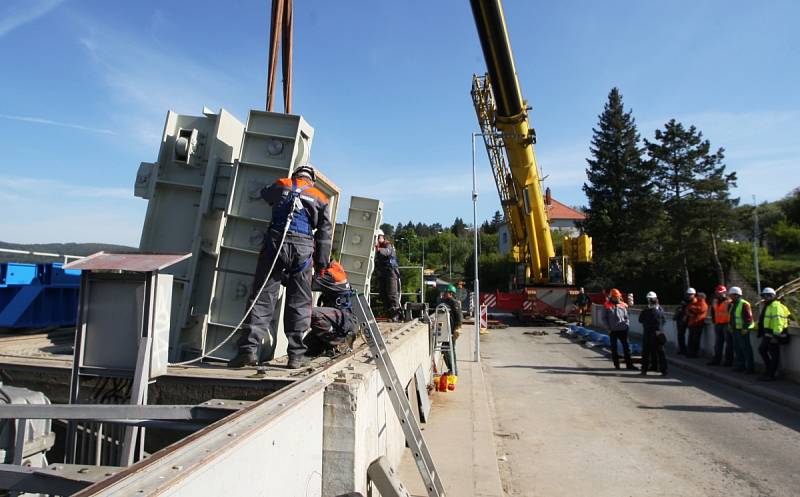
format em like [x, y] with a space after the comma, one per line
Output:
[615, 293]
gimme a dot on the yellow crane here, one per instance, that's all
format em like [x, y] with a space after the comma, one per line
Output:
[509, 138]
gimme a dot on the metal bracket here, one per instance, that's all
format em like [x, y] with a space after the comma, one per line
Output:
[385, 479]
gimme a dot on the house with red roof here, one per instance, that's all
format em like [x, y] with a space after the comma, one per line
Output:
[562, 217]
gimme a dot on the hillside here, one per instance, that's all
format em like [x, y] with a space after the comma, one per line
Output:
[57, 248]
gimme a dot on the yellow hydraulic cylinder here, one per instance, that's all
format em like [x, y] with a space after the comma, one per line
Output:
[525, 172]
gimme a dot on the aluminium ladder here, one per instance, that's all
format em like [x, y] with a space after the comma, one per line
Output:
[396, 392]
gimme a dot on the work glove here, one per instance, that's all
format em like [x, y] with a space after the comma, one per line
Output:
[457, 333]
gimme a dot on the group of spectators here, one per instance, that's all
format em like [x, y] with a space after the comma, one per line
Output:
[734, 321]
[731, 315]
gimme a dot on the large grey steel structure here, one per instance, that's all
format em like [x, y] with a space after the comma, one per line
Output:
[204, 199]
[357, 241]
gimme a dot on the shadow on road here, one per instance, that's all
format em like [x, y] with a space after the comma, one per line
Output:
[663, 383]
[704, 409]
[744, 402]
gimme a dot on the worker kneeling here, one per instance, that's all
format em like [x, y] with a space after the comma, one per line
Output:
[299, 237]
[333, 326]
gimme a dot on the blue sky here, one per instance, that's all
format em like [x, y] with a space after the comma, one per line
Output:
[86, 85]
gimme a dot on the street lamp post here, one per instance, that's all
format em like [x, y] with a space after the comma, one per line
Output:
[423, 256]
[476, 297]
[450, 257]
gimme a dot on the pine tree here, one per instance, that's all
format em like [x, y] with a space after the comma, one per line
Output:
[459, 227]
[695, 191]
[622, 216]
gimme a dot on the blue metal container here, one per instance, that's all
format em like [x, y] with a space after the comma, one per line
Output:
[38, 295]
[17, 273]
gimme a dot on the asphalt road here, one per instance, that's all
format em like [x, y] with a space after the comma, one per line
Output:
[567, 424]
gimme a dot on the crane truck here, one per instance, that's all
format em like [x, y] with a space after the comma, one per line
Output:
[542, 281]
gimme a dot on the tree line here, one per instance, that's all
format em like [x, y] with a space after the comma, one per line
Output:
[660, 210]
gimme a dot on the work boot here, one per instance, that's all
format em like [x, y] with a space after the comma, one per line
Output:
[766, 377]
[713, 363]
[298, 362]
[727, 364]
[750, 371]
[243, 360]
[631, 367]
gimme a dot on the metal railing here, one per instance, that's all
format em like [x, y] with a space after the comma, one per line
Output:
[41, 254]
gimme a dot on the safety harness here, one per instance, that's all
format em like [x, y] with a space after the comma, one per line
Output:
[299, 224]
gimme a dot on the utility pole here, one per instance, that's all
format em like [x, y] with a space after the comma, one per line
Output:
[755, 244]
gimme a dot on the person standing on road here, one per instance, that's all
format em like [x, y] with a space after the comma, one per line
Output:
[389, 276]
[721, 316]
[741, 322]
[653, 337]
[289, 252]
[681, 318]
[773, 324]
[615, 317]
[696, 313]
[456, 320]
[583, 304]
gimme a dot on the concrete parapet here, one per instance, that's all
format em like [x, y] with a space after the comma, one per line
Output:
[359, 421]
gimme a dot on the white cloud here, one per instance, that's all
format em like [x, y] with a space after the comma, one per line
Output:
[50, 122]
[145, 78]
[43, 210]
[20, 13]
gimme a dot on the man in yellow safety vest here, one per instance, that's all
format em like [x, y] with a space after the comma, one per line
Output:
[773, 327]
[741, 323]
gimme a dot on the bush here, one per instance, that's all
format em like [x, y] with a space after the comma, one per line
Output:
[784, 238]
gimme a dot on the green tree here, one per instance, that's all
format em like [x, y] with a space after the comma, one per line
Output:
[388, 230]
[491, 226]
[715, 208]
[459, 227]
[622, 216]
[790, 205]
[693, 185]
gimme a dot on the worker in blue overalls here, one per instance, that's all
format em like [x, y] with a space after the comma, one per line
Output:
[286, 259]
[388, 277]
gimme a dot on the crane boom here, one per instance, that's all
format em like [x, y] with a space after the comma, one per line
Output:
[503, 115]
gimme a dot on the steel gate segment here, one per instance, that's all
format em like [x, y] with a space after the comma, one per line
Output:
[396, 393]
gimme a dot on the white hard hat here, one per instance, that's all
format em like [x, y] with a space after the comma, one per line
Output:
[380, 232]
[734, 290]
[651, 295]
[691, 291]
[306, 170]
[768, 291]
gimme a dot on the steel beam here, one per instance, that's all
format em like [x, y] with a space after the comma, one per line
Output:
[62, 479]
[111, 412]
